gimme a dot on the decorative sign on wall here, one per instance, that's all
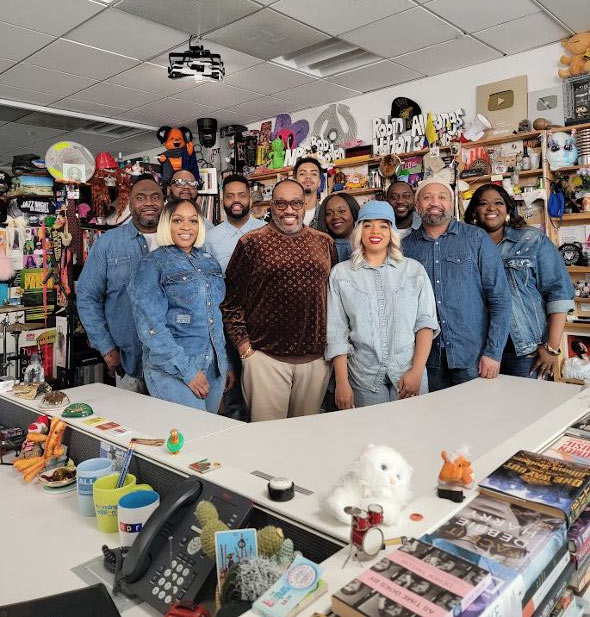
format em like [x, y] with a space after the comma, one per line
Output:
[328, 124]
[389, 135]
[292, 133]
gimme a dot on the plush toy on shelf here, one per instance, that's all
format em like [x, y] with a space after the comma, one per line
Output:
[36, 432]
[381, 476]
[578, 62]
[31, 467]
[455, 475]
[277, 154]
[180, 152]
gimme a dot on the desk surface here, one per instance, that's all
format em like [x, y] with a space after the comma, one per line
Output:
[494, 417]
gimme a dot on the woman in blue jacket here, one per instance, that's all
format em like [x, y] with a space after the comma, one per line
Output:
[542, 290]
[176, 291]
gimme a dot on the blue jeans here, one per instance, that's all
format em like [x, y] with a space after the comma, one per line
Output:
[168, 388]
[363, 398]
[443, 377]
[517, 366]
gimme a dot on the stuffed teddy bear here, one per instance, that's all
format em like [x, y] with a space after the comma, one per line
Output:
[381, 476]
[179, 153]
[578, 63]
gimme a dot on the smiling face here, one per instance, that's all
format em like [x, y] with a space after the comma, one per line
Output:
[145, 205]
[184, 226]
[435, 204]
[490, 212]
[236, 200]
[401, 198]
[375, 237]
[183, 185]
[288, 207]
[339, 219]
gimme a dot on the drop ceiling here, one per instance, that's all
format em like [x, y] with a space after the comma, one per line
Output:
[104, 62]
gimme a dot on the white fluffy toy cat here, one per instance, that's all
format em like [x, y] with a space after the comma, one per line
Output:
[380, 475]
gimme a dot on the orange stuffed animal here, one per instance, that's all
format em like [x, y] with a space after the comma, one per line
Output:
[457, 471]
[180, 152]
[578, 62]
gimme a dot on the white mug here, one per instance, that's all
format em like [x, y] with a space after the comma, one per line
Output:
[133, 511]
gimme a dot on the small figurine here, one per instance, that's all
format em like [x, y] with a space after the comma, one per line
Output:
[77, 410]
[36, 432]
[175, 441]
[277, 155]
[456, 474]
[380, 476]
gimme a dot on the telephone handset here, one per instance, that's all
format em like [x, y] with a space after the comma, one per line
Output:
[166, 563]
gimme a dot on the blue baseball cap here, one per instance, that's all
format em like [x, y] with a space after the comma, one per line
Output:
[374, 210]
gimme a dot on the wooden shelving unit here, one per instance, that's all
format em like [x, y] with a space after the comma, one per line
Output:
[530, 173]
[576, 217]
[269, 175]
[578, 269]
[365, 191]
[494, 141]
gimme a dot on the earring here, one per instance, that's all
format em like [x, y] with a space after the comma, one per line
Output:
[507, 219]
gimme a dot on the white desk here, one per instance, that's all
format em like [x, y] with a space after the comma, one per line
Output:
[45, 536]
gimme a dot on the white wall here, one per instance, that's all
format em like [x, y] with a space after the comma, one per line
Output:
[447, 91]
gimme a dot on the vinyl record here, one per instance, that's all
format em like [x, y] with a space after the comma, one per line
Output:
[72, 153]
[402, 107]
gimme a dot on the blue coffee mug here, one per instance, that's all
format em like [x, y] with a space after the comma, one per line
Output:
[87, 473]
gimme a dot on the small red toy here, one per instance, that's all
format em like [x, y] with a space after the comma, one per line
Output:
[187, 609]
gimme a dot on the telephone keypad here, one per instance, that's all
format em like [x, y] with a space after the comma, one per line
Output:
[180, 580]
[168, 599]
[161, 595]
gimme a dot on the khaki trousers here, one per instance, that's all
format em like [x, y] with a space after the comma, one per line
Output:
[275, 390]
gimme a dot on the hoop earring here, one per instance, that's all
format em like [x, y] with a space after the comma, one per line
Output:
[507, 219]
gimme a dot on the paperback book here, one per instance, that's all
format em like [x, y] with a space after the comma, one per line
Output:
[581, 427]
[417, 579]
[570, 448]
[540, 482]
[579, 532]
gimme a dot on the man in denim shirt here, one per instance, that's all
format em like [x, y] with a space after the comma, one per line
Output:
[470, 288]
[103, 304]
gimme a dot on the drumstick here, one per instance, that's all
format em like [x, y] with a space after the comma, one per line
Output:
[394, 541]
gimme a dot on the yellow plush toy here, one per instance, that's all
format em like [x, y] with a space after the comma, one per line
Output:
[578, 63]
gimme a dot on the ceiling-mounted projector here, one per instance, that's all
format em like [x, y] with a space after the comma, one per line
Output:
[196, 62]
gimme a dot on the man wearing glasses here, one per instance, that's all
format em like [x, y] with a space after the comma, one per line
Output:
[183, 185]
[275, 309]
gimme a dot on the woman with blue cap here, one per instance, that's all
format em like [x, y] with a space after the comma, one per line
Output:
[381, 316]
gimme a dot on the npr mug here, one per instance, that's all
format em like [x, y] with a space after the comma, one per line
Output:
[133, 512]
[87, 473]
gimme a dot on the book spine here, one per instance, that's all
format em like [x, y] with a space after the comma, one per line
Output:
[555, 592]
[578, 534]
[507, 604]
[536, 601]
[578, 505]
[583, 552]
[530, 592]
[578, 584]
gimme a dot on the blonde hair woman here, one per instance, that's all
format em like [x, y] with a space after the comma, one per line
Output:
[175, 292]
[381, 316]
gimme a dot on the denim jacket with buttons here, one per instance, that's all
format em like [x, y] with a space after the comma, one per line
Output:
[471, 291]
[373, 316]
[101, 293]
[175, 299]
[539, 283]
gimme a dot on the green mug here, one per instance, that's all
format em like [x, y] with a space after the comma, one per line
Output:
[106, 498]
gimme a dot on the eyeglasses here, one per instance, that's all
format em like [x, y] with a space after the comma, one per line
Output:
[180, 182]
[281, 204]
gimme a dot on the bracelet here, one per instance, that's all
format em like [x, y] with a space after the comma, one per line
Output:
[550, 350]
[247, 353]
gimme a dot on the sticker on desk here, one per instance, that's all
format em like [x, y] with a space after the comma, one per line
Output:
[120, 430]
[113, 453]
[94, 421]
[205, 466]
[107, 426]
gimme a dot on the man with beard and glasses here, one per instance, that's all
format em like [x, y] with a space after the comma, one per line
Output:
[222, 239]
[103, 303]
[184, 185]
[275, 309]
[308, 172]
[470, 287]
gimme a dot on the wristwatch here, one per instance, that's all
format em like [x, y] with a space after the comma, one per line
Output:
[550, 350]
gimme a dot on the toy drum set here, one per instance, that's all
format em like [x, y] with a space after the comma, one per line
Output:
[366, 537]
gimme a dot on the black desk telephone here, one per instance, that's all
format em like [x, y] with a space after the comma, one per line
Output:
[166, 563]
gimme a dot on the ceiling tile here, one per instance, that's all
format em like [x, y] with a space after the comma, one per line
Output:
[268, 78]
[217, 95]
[5, 63]
[267, 35]
[165, 111]
[186, 15]
[471, 16]
[152, 78]
[27, 133]
[448, 56]
[10, 114]
[81, 60]
[127, 34]
[117, 96]
[573, 13]
[131, 145]
[44, 80]
[317, 93]
[408, 31]
[88, 139]
[223, 117]
[379, 75]
[522, 34]
[18, 43]
[55, 17]
[339, 16]
[262, 108]
[26, 96]
[85, 107]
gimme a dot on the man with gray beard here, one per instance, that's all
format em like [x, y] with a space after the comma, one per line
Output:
[470, 287]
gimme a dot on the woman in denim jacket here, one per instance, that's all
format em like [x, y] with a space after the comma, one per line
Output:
[542, 290]
[176, 291]
[381, 316]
